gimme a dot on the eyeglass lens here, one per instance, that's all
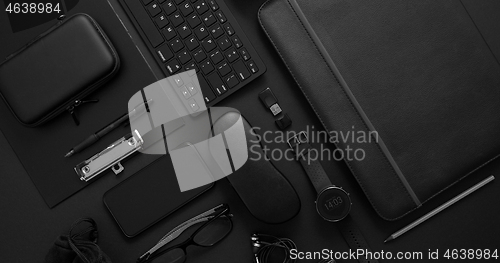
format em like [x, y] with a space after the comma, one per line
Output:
[213, 232]
[208, 236]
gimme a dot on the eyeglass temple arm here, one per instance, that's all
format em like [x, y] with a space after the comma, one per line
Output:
[178, 230]
[171, 237]
[204, 214]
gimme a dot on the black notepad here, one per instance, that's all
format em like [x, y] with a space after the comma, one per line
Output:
[148, 196]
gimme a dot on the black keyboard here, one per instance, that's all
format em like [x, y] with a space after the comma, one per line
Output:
[201, 35]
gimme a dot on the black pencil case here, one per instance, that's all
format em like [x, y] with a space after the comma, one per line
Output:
[55, 71]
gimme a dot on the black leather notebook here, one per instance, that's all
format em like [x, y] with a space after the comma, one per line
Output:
[417, 76]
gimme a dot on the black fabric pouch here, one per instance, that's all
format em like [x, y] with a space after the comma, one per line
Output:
[57, 69]
[79, 246]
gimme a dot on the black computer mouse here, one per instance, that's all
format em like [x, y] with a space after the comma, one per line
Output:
[266, 192]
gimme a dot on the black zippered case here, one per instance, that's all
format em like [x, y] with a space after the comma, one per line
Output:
[55, 71]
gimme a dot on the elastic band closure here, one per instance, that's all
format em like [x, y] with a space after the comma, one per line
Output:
[344, 85]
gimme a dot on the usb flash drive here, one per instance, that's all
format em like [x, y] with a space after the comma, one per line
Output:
[270, 101]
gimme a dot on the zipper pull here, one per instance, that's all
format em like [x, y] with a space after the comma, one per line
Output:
[71, 109]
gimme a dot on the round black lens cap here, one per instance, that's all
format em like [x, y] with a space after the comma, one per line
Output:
[333, 204]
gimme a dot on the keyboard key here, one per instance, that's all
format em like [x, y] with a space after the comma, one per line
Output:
[199, 55]
[216, 56]
[176, 45]
[161, 21]
[213, 5]
[229, 29]
[173, 66]
[208, 44]
[184, 31]
[216, 31]
[196, 36]
[178, 81]
[164, 53]
[201, 32]
[232, 81]
[185, 93]
[241, 70]
[176, 19]
[169, 7]
[169, 32]
[145, 22]
[201, 7]
[237, 42]
[192, 43]
[208, 94]
[206, 67]
[154, 9]
[191, 66]
[244, 54]
[224, 69]
[209, 19]
[217, 84]
[184, 57]
[251, 65]
[222, 18]
[186, 9]
[192, 71]
[231, 55]
[191, 88]
[193, 105]
[224, 43]
[193, 20]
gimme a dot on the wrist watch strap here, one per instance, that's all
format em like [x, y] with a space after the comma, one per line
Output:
[313, 167]
[319, 178]
[352, 235]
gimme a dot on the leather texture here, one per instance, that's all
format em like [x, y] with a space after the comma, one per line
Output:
[421, 74]
[264, 190]
[313, 168]
[62, 65]
[354, 238]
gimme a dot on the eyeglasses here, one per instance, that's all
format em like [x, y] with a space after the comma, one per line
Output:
[217, 225]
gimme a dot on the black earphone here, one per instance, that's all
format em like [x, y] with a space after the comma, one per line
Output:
[263, 246]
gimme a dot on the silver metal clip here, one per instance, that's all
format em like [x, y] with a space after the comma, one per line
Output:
[110, 157]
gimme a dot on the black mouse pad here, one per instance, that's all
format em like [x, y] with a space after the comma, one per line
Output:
[41, 149]
[147, 197]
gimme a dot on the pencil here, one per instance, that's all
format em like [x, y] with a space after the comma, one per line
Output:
[439, 209]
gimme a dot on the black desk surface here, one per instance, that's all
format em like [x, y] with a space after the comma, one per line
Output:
[29, 227]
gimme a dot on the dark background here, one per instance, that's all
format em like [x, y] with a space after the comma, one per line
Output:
[28, 227]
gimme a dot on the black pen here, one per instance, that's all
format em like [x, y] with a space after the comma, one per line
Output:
[99, 134]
